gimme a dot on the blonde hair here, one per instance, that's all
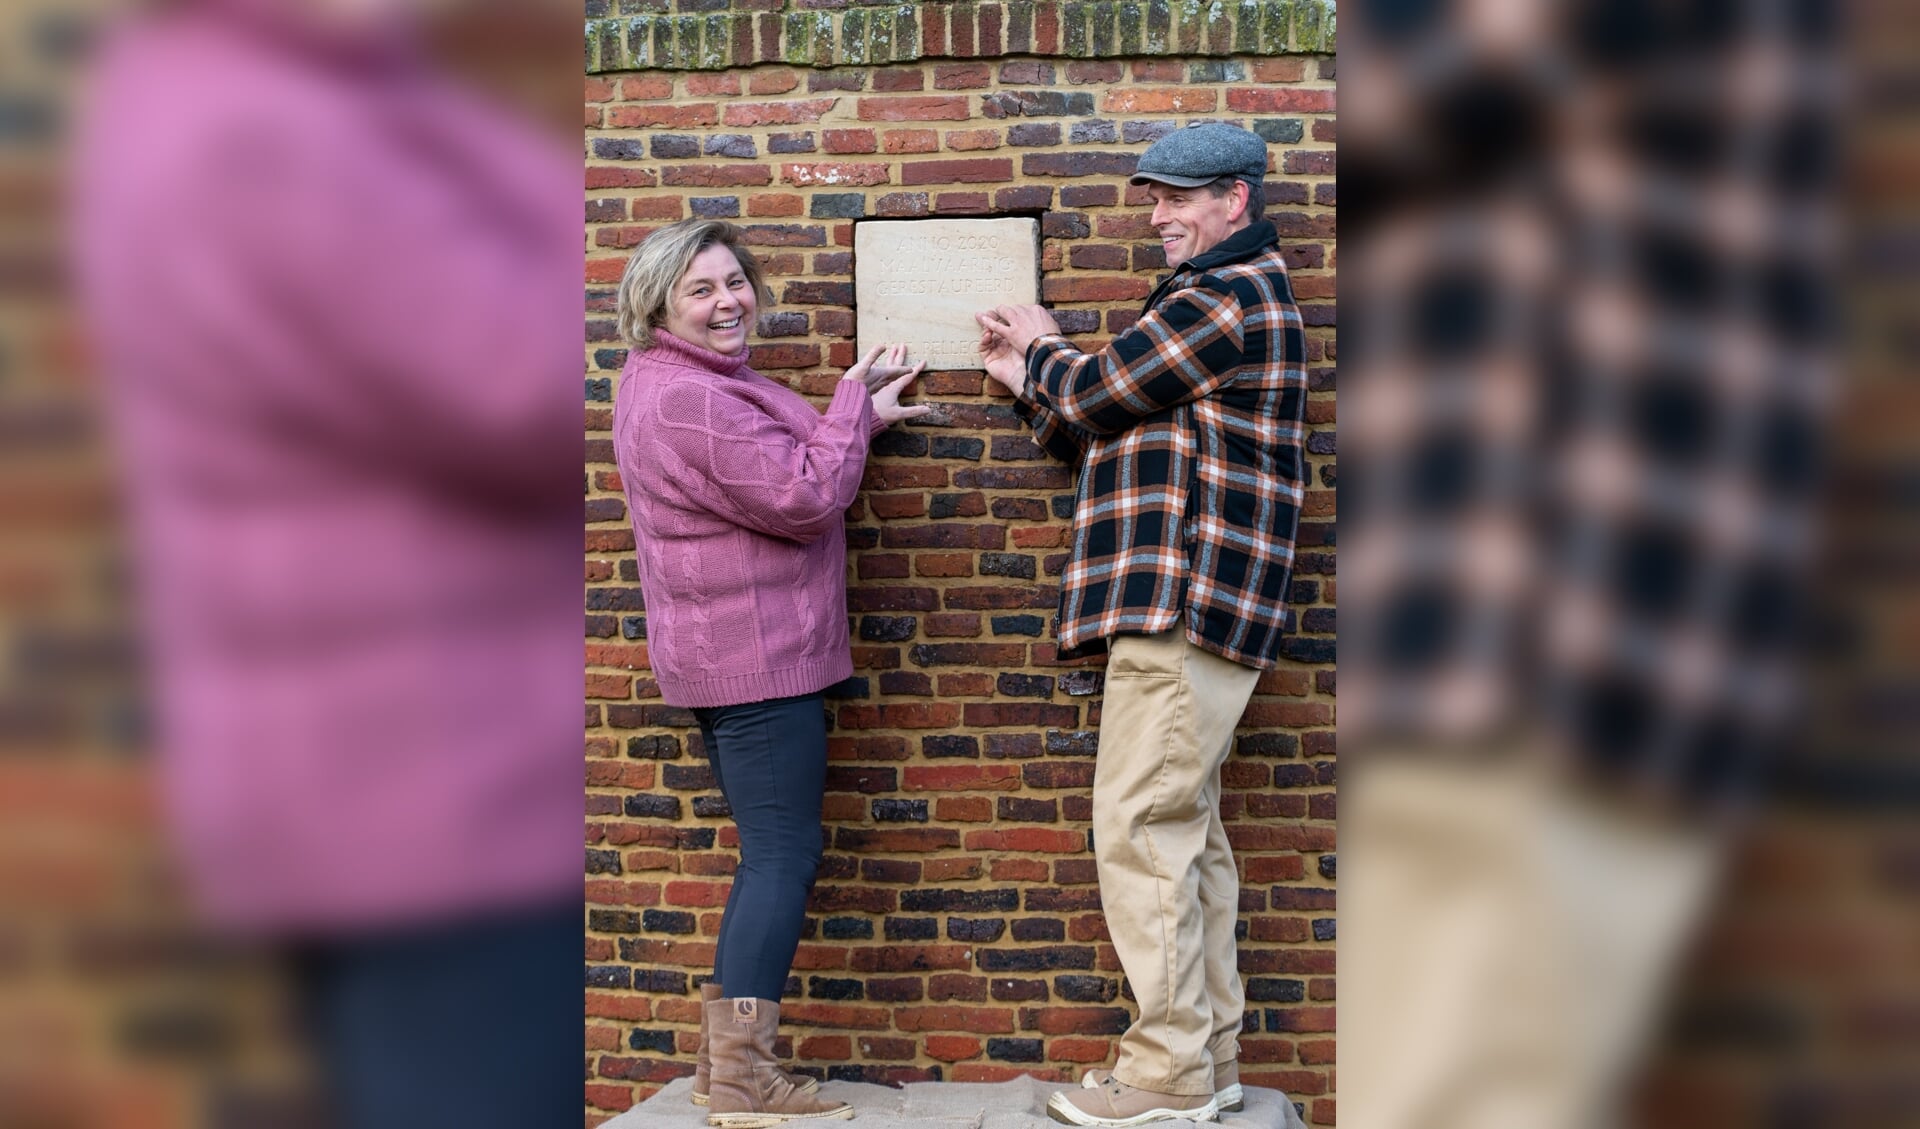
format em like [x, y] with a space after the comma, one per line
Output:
[658, 264]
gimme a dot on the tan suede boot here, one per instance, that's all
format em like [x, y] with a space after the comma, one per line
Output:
[703, 1066]
[748, 1088]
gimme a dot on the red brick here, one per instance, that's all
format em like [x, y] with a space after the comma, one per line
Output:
[963, 809]
[827, 1048]
[1291, 69]
[645, 87]
[1095, 289]
[1159, 100]
[834, 174]
[895, 79]
[676, 116]
[847, 140]
[601, 1095]
[980, 1021]
[953, 1048]
[1158, 70]
[703, 84]
[960, 777]
[962, 76]
[772, 82]
[957, 172]
[716, 176]
[814, 1014]
[906, 109]
[970, 140]
[776, 204]
[1279, 100]
[1079, 1050]
[1037, 840]
[778, 113]
[912, 141]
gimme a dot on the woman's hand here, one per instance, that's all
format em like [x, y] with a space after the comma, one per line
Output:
[886, 402]
[1007, 368]
[877, 372]
[886, 378]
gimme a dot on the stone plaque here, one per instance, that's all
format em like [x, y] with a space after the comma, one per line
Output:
[921, 282]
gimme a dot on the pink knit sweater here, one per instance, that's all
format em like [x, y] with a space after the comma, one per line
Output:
[738, 490]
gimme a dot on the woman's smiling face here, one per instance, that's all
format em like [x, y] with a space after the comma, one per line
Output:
[713, 304]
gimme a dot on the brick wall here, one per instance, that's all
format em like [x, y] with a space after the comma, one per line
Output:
[956, 930]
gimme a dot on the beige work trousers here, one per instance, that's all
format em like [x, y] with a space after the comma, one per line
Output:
[1167, 881]
[1505, 941]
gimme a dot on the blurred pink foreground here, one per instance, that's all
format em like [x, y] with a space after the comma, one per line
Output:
[335, 307]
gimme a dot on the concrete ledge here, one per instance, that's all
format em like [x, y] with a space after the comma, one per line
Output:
[1018, 1104]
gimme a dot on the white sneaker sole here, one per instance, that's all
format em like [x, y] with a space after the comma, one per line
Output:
[1230, 1100]
[1064, 1111]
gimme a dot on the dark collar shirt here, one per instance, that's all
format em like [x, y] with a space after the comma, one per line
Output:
[1189, 428]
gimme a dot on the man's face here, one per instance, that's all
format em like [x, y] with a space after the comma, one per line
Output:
[1192, 220]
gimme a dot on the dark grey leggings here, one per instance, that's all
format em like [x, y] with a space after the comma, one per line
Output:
[770, 760]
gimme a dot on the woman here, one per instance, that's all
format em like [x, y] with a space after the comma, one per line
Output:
[738, 489]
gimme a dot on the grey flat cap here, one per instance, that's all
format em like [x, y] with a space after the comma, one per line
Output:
[1203, 152]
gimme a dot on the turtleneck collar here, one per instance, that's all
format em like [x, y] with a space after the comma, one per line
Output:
[671, 349]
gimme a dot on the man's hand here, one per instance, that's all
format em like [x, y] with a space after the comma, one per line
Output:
[1004, 365]
[1018, 325]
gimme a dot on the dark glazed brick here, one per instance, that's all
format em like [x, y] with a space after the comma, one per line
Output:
[659, 980]
[1034, 133]
[977, 929]
[1323, 929]
[1021, 810]
[1039, 929]
[899, 811]
[712, 807]
[949, 746]
[838, 205]
[912, 928]
[1326, 866]
[1089, 133]
[684, 777]
[822, 988]
[791, 143]
[603, 862]
[1264, 990]
[888, 628]
[1007, 564]
[660, 1042]
[1018, 625]
[1024, 685]
[658, 747]
[956, 447]
[847, 929]
[1035, 960]
[902, 443]
[677, 922]
[653, 807]
[961, 901]
[1015, 1050]
[1019, 991]
[609, 976]
[1087, 989]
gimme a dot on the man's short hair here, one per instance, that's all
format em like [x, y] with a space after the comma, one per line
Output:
[1256, 194]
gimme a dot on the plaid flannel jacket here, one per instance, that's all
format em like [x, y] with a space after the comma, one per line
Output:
[1190, 429]
[1581, 449]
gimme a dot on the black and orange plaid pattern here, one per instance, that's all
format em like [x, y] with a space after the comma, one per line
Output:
[1590, 302]
[1191, 427]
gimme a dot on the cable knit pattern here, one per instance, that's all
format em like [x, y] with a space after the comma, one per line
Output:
[738, 491]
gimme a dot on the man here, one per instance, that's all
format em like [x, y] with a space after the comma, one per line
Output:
[1189, 430]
